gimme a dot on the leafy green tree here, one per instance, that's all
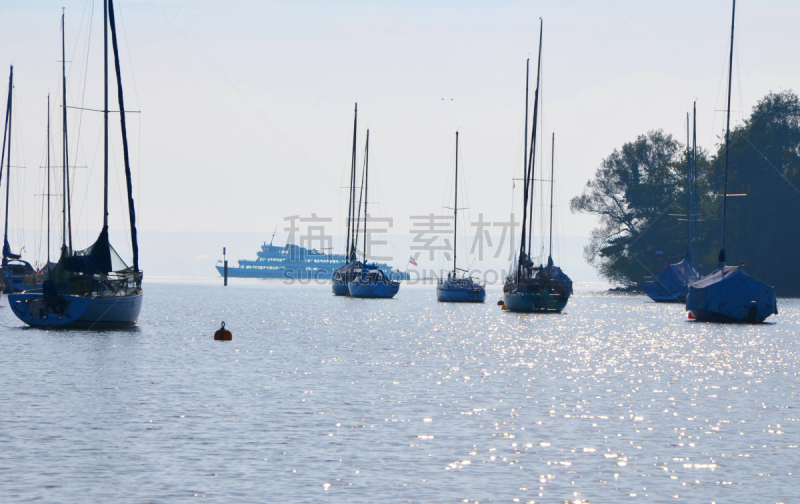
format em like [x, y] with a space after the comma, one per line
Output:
[762, 231]
[632, 194]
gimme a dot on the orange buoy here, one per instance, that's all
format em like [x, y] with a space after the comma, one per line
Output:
[504, 307]
[223, 334]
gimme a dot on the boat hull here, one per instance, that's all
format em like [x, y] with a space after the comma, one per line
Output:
[365, 289]
[541, 302]
[731, 295]
[296, 273]
[77, 311]
[339, 287]
[667, 299]
[450, 292]
[711, 316]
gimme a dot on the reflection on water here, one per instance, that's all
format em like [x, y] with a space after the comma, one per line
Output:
[320, 398]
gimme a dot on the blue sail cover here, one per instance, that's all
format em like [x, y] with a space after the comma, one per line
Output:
[554, 273]
[730, 293]
[7, 251]
[673, 284]
[95, 260]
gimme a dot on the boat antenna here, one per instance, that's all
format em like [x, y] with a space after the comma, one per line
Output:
[727, 140]
[552, 183]
[67, 203]
[273, 236]
[366, 188]
[351, 204]
[8, 161]
[131, 209]
[455, 213]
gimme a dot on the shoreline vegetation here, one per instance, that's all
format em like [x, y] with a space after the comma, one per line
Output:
[639, 196]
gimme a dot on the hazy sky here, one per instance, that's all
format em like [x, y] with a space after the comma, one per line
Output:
[247, 106]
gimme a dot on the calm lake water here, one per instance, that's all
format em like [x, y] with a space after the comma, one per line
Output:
[324, 399]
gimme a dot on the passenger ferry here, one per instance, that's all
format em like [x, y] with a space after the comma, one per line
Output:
[293, 262]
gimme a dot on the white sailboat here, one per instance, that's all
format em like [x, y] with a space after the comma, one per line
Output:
[90, 288]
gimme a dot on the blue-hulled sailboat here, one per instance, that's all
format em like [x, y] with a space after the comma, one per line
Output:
[18, 274]
[368, 281]
[729, 294]
[344, 275]
[531, 288]
[91, 288]
[459, 288]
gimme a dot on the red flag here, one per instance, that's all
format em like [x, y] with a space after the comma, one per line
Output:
[412, 261]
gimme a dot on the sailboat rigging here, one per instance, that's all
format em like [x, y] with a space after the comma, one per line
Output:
[344, 275]
[368, 280]
[530, 288]
[459, 288]
[729, 294]
[672, 285]
[17, 274]
[91, 287]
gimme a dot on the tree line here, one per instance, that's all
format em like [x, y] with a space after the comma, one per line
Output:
[639, 195]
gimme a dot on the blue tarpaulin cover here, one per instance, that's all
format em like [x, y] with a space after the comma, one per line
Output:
[729, 292]
[554, 272]
[673, 284]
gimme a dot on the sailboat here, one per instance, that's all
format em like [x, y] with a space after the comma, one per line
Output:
[93, 287]
[672, 285]
[18, 274]
[729, 294]
[459, 288]
[344, 275]
[531, 288]
[369, 281]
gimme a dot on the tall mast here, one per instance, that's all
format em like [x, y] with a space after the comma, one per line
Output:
[351, 203]
[5, 124]
[689, 210]
[532, 158]
[455, 213]
[552, 183]
[366, 188]
[8, 161]
[128, 182]
[67, 202]
[527, 94]
[727, 139]
[695, 206]
[529, 169]
[105, 116]
[48, 178]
